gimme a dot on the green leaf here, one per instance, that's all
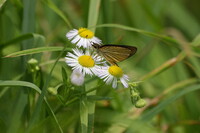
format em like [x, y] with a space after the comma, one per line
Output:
[84, 115]
[64, 75]
[58, 12]
[22, 38]
[33, 86]
[93, 13]
[162, 37]
[183, 18]
[14, 125]
[39, 103]
[35, 51]
[20, 83]
[28, 22]
[150, 114]
[98, 98]
[66, 91]
[92, 21]
[196, 41]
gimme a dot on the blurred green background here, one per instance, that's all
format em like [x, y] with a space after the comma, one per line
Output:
[170, 69]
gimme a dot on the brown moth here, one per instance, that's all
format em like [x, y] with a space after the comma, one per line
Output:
[115, 53]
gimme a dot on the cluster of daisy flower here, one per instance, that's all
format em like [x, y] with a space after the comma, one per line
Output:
[85, 60]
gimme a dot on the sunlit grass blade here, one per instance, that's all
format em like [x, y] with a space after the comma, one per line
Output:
[84, 115]
[196, 41]
[150, 114]
[92, 21]
[20, 83]
[168, 64]
[172, 89]
[35, 51]
[93, 13]
[2, 2]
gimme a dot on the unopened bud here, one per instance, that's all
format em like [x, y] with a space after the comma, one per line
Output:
[33, 61]
[140, 103]
[33, 65]
[77, 78]
[52, 90]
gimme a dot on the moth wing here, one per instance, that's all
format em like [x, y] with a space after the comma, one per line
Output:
[117, 53]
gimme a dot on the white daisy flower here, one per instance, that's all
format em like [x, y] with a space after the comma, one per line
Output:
[77, 78]
[84, 62]
[110, 75]
[82, 37]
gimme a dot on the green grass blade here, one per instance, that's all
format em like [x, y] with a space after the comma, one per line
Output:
[37, 89]
[35, 51]
[195, 64]
[93, 13]
[20, 83]
[92, 21]
[21, 102]
[150, 114]
[2, 2]
[54, 116]
[58, 12]
[178, 13]
[84, 115]
[196, 41]
[37, 109]
[162, 37]
[28, 24]
[17, 115]
[168, 64]
[21, 38]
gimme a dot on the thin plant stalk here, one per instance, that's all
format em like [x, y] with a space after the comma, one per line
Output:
[87, 108]
[168, 64]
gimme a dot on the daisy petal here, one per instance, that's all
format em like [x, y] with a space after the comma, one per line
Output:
[82, 37]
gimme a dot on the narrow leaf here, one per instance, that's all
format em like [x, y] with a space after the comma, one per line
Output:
[35, 51]
[196, 41]
[20, 83]
[64, 75]
[2, 2]
[58, 12]
[21, 38]
[162, 37]
[150, 114]
[33, 86]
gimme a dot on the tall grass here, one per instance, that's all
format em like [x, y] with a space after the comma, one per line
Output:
[37, 95]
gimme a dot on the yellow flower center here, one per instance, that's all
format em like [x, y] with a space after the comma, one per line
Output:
[115, 71]
[85, 33]
[86, 61]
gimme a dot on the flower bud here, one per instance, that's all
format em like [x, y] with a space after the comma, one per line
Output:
[33, 65]
[52, 90]
[140, 103]
[135, 94]
[33, 61]
[77, 78]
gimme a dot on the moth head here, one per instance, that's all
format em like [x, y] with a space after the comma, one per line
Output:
[96, 46]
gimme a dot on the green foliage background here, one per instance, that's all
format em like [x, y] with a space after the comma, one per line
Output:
[166, 33]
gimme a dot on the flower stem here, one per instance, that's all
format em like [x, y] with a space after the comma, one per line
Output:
[92, 21]
[84, 113]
